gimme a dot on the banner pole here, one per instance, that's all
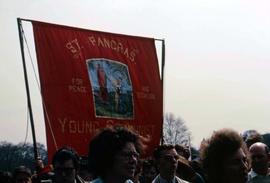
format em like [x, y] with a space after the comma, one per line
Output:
[162, 80]
[27, 89]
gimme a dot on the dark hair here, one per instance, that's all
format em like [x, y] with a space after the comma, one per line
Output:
[64, 154]
[266, 149]
[21, 170]
[5, 177]
[251, 137]
[160, 148]
[223, 144]
[148, 163]
[182, 150]
[104, 147]
[184, 170]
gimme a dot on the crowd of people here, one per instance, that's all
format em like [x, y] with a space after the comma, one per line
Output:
[115, 157]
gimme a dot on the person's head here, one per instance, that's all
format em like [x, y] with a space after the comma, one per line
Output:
[184, 170]
[166, 159]
[260, 158]
[182, 151]
[149, 171]
[5, 177]
[224, 158]
[252, 136]
[22, 174]
[114, 153]
[66, 165]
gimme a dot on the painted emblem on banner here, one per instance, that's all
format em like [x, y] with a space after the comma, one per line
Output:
[111, 88]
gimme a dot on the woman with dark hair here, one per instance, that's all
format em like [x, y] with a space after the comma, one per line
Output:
[224, 158]
[113, 155]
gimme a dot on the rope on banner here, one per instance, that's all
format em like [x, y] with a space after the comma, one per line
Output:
[37, 82]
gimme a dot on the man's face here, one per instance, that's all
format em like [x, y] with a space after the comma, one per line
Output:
[167, 163]
[65, 172]
[259, 159]
[23, 178]
[236, 168]
[149, 173]
[125, 162]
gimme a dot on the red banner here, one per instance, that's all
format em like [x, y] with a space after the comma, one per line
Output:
[91, 80]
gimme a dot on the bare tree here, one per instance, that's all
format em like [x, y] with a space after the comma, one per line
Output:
[175, 130]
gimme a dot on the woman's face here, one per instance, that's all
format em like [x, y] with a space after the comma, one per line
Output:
[235, 168]
[125, 162]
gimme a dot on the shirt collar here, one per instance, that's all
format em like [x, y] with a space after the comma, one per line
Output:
[253, 174]
[162, 180]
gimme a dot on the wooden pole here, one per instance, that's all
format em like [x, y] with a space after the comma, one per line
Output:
[27, 89]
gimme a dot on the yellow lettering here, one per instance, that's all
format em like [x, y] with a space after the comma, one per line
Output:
[106, 43]
[100, 42]
[113, 45]
[109, 123]
[80, 127]
[62, 123]
[72, 126]
[92, 40]
[126, 52]
[88, 127]
[120, 47]
[77, 126]
[132, 55]
[71, 47]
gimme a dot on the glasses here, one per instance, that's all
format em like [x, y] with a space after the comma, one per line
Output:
[67, 170]
[170, 157]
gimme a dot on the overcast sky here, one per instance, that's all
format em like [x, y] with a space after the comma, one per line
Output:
[217, 57]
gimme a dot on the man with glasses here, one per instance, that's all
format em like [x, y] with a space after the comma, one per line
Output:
[22, 174]
[166, 160]
[66, 165]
